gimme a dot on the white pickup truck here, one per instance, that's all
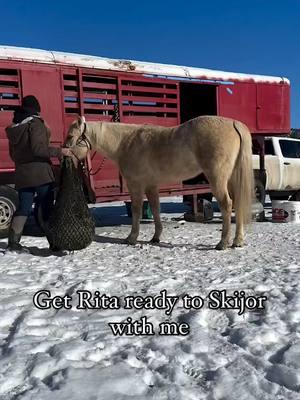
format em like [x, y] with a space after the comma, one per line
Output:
[282, 165]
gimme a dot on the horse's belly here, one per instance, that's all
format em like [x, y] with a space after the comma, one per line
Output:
[157, 169]
[177, 172]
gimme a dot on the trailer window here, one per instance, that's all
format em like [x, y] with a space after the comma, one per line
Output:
[255, 147]
[9, 89]
[269, 148]
[95, 95]
[71, 93]
[148, 100]
[290, 148]
[99, 95]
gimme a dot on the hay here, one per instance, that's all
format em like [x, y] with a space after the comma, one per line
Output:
[70, 226]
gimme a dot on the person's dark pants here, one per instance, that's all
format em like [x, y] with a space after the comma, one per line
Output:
[44, 200]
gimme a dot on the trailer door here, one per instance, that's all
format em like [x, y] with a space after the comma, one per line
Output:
[273, 105]
[238, 101]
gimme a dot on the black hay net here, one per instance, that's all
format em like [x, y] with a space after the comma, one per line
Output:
[70, 226]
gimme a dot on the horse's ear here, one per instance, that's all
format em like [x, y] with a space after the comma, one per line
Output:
[80, 120]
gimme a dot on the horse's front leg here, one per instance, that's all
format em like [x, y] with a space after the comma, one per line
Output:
[136, 209]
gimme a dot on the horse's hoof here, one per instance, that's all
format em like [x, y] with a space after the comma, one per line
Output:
[237, 243]
[221, 246]
[130, 241]
[154, 240]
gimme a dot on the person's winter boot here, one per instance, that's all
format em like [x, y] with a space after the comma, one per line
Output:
[15, 234]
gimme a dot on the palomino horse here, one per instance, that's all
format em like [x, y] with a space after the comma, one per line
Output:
[149, 156]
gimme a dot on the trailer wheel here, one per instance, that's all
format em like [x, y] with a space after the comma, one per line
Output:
[8, 205]
[260, 192]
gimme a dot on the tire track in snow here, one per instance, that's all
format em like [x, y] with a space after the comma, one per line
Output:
[14, 328]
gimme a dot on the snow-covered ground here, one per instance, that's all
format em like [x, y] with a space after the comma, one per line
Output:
[67, 354]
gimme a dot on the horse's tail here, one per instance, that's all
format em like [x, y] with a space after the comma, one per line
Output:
[241, 185]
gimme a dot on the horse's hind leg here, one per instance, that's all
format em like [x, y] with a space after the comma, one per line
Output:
[239, 233]
[225, 204]
[136, 193]
[153, 198]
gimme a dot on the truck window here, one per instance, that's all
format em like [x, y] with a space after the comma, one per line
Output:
[269, 148]
[290, 148]
[255, 147]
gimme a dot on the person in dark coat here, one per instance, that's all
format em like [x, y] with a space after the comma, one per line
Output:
[29, 139]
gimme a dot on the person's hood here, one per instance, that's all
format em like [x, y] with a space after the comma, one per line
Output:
[15, 132]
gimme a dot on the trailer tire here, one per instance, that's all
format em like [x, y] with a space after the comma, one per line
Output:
[8, 204]
[260, 192]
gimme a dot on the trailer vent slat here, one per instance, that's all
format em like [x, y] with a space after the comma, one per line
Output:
[144, 101]
[95, 98]
[71, 93]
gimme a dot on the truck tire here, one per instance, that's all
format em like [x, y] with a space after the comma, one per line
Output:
[296, 196]
[260, 192]
[8, 204]
[279, 197]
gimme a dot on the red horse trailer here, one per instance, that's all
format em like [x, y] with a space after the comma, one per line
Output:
[143, 93]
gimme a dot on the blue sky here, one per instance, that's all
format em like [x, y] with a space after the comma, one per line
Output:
[257, 36]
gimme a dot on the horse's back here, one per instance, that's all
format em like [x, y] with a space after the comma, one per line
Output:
[214, 123]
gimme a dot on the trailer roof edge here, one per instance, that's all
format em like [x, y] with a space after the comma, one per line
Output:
[155, 69]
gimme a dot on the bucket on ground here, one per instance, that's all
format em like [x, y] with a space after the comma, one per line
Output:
[286, 211]
[258, 212]
[278, 211]
[292, 209]
[146, 210]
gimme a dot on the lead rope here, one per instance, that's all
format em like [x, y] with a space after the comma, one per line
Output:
[114, 118]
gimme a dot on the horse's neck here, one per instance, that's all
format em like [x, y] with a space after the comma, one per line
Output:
[106, 138]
